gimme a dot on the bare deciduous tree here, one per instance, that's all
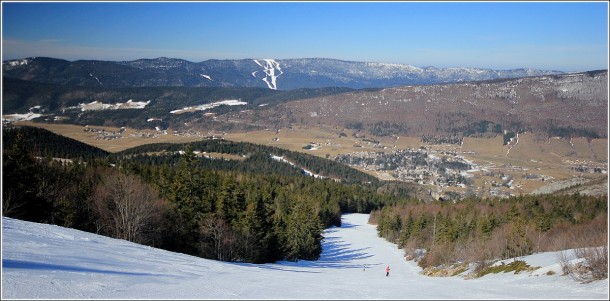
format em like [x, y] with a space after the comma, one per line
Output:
[222, 239]
[12, 202]
[126, 205]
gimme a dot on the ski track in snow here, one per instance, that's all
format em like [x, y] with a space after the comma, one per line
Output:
[511, 146]
[49, 262]
[98, 80]
[270, 68]
[307, 172]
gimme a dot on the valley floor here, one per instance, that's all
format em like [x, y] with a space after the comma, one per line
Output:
[48, 262]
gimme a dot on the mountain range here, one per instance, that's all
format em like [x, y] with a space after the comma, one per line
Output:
[280, 74]
[242, 95]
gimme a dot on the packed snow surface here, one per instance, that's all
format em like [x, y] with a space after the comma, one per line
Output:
[307, 172]
[50, 262]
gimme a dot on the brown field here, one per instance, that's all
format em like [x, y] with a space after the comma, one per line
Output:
[330, 143]
[131, 138]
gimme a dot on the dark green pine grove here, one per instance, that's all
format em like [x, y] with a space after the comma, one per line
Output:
[254, 217]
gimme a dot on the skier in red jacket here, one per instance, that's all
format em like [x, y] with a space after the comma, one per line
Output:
[387, 271]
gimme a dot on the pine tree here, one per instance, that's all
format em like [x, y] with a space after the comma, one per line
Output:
[230, 200]
[186, 201]
[303, 237]
[254, 231]
[407, 229]
[19, 183]
[517, 244]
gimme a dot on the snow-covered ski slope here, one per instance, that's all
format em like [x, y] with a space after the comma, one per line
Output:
[51, 262]
[270, 67]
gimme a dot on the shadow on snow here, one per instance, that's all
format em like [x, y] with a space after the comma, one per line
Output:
[336, 254]
[30, 265]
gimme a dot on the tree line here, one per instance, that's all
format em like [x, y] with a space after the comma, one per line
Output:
[258, 159]
[480, 230]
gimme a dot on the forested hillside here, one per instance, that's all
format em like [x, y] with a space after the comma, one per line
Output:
[44, 143]
[253, 210]
[567, 105]
[480, 231]
[258, 159]
[64, 102]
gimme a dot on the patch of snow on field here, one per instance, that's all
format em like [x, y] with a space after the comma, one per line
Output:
[33, 113]
[98, 106]
[19, 117]
[208, 106]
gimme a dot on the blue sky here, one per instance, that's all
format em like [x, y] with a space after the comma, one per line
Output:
[566, 36]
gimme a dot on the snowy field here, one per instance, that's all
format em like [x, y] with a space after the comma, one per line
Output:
[51, 262]
[98, 106]
[207, 106]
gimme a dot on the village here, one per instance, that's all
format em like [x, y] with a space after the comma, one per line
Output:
[450, 175]
[422, 166]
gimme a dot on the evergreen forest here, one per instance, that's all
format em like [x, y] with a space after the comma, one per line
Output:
[480, 231]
